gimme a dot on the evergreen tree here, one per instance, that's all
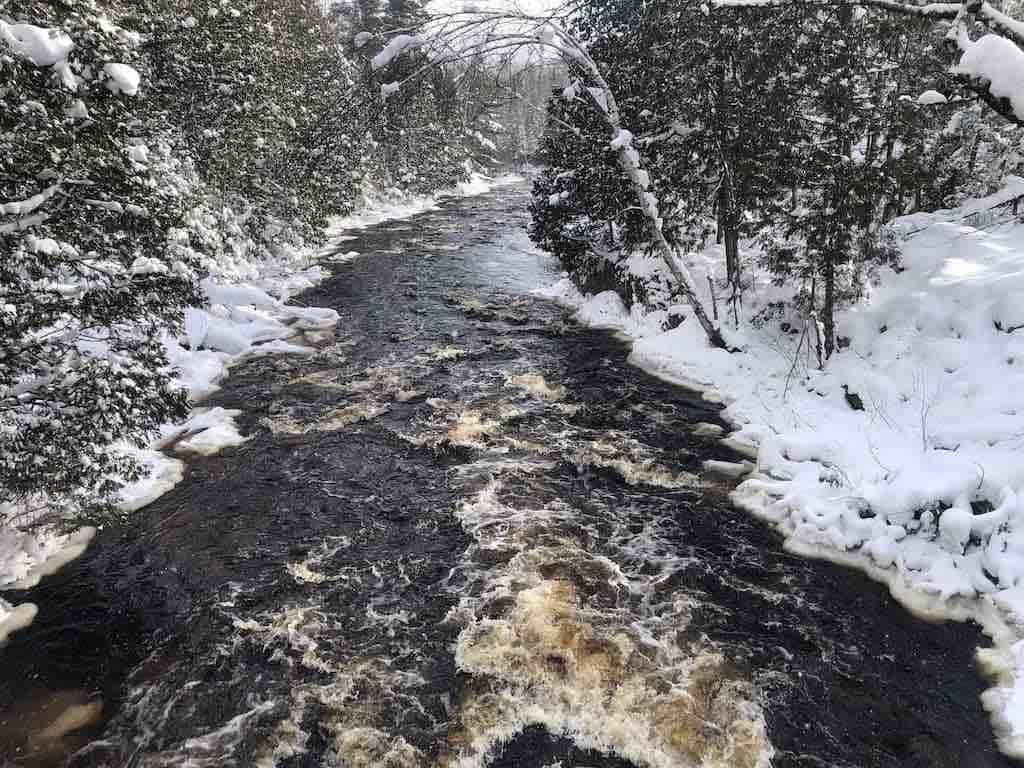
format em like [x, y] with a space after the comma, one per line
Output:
[88, 280]
[265, 103]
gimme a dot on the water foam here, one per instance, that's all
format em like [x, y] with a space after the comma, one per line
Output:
[554, 637]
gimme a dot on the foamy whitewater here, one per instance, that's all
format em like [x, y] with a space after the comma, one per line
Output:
[465, 532]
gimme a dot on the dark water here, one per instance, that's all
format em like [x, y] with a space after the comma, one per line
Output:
[467, 533]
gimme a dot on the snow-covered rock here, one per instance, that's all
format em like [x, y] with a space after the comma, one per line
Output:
[43, 47]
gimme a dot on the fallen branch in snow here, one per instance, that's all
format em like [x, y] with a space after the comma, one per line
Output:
[20, 224]
[27, 206]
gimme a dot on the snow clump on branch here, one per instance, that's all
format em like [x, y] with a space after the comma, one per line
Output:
[998, 61]
[396, 47]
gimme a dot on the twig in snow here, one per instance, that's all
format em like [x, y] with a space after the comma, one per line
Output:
[796, 359]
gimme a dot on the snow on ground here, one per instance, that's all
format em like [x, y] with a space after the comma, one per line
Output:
[247, 315]
[924, 487]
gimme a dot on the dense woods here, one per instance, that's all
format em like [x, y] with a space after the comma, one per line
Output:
[799, 128]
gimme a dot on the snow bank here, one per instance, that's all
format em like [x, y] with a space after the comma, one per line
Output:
[43, 47]
[242, 319]
[121, 78]
[905, 456]
[25, 558]
[160, 474]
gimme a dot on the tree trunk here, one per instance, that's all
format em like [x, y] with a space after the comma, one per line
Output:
[732, 254]
[732, 265]
[828, 269]
[629, 161]
[974, 154]
[814, 319]
[728, 230]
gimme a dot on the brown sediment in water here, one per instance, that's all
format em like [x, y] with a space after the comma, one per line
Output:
[370, 748]
[385, 381]
[329, 421]
[322, 379]
[545, 663]
[692, 725]
[337, 418]
[447, 352]
[470, 427]
[40, 729]
[535, 384]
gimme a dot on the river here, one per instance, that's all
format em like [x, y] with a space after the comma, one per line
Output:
[466, 533]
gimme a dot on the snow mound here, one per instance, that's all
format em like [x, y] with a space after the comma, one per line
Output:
[929, 98]
[160, 474]
[998, 61]
[27, 557]
[206, 432]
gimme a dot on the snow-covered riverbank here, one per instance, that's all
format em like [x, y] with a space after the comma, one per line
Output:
[248, 314]
[904, 457]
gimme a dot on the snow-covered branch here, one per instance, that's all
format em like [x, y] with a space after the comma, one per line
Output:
[27, 206]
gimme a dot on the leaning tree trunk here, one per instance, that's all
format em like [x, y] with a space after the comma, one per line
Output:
[629, 161]
[550, 35]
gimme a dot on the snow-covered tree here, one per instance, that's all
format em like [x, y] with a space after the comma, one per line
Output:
[718, 110]
[88, 278]
[986, 43]
[804, 124]
[263, 100]
[421, 142]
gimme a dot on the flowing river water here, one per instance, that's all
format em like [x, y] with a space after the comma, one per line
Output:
[467, 533]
